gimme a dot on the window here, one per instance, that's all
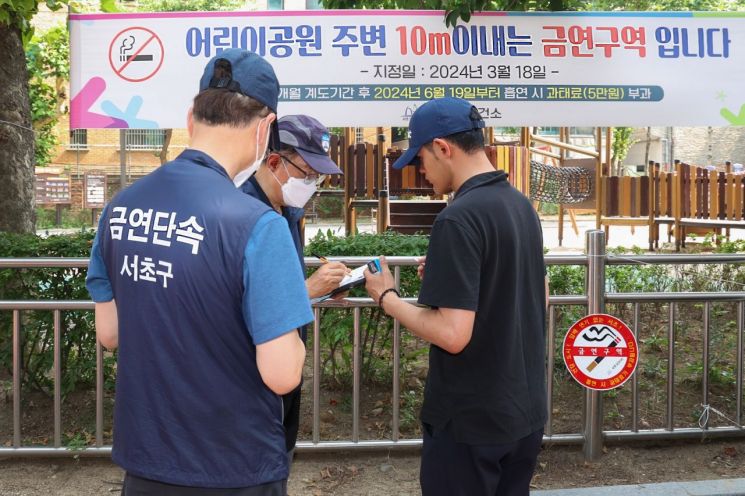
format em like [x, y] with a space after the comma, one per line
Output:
[359, 135]
[78, 139]
[145, 139]
[313, 4]
[275, 4]
[582, 131]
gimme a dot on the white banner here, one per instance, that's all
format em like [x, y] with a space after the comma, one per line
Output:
[373, 67]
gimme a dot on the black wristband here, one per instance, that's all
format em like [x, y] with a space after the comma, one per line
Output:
[389, 290]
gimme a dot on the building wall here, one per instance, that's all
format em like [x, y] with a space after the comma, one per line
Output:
[692, 145]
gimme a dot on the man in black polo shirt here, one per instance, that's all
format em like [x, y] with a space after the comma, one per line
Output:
[484, 290]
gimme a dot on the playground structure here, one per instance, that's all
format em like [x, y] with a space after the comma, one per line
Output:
[683, 198]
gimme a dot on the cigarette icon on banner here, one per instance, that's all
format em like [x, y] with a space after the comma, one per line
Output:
[608, 334]
[127, 46]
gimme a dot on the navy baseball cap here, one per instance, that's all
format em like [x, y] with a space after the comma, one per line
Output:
[436, 119]
[310, 139]
[251, 76]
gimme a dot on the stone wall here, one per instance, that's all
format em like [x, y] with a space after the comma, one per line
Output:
[693, 145]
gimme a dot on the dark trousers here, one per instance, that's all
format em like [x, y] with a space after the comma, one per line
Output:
[137, 486]
[450, 468]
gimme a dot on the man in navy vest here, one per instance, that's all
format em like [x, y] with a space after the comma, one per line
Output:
[285, 181]
[188, 279]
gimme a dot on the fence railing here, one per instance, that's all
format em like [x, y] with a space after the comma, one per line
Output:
[591, 434]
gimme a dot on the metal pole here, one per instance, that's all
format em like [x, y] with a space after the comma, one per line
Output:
[16, 379]
[738, 368]
[670, 365]
[317, 375]
[634, 378]
[705, 359]
[396, 399]
[356, 378]
[550, 340]
[57, 379]
[99, 394]
[122, 158]
[593, 428]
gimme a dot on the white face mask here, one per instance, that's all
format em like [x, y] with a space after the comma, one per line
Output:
[246, 174]
[295, 192]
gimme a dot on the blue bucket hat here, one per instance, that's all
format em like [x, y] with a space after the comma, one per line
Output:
[310, 139]
[436, 119]
[252, 76]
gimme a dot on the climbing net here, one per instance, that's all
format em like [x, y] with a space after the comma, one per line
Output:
[564, 185]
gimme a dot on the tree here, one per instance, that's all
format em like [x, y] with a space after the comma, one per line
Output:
[462, 9]
[16, 131]
[622, 141]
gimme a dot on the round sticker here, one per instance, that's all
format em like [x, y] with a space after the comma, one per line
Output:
[600, 352]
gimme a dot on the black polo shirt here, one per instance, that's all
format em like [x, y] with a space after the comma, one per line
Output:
[486, 255]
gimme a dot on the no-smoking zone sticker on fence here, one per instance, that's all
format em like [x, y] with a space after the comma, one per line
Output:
[136, 54]
[600, 352]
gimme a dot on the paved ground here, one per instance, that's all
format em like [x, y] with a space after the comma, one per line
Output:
[731, 487]
[312, 475]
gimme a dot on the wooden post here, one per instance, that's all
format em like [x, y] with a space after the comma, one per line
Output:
[675, 202]
[525, 136]
[653, 229]
[347, 150]
[383, 211]
[599, 201]
[58, 215]
[380, 161]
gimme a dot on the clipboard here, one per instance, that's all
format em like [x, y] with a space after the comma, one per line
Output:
[354, 279]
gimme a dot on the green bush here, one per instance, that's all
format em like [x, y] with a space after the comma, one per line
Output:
[78, 337]
[329, 206]
[46, 218]
[375, 327]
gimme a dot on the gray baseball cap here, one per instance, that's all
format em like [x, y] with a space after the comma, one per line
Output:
[310, 139]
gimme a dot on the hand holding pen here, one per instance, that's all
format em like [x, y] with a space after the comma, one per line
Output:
[326, 278]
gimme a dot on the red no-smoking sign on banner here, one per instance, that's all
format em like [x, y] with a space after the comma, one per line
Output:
[600, 352]
[136, 54]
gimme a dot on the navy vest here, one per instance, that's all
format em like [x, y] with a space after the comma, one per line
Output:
[191, 408]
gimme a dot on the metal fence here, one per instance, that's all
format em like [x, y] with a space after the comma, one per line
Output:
[591, 435]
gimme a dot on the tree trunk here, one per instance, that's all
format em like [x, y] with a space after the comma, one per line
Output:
[164, 149]
[646, 148]
[16, 137]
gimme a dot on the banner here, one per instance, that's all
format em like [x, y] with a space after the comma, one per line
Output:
[374, 67]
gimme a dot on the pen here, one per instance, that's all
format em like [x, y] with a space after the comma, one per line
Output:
[322, 259]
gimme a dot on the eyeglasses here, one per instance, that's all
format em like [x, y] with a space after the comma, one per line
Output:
[308, 177]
